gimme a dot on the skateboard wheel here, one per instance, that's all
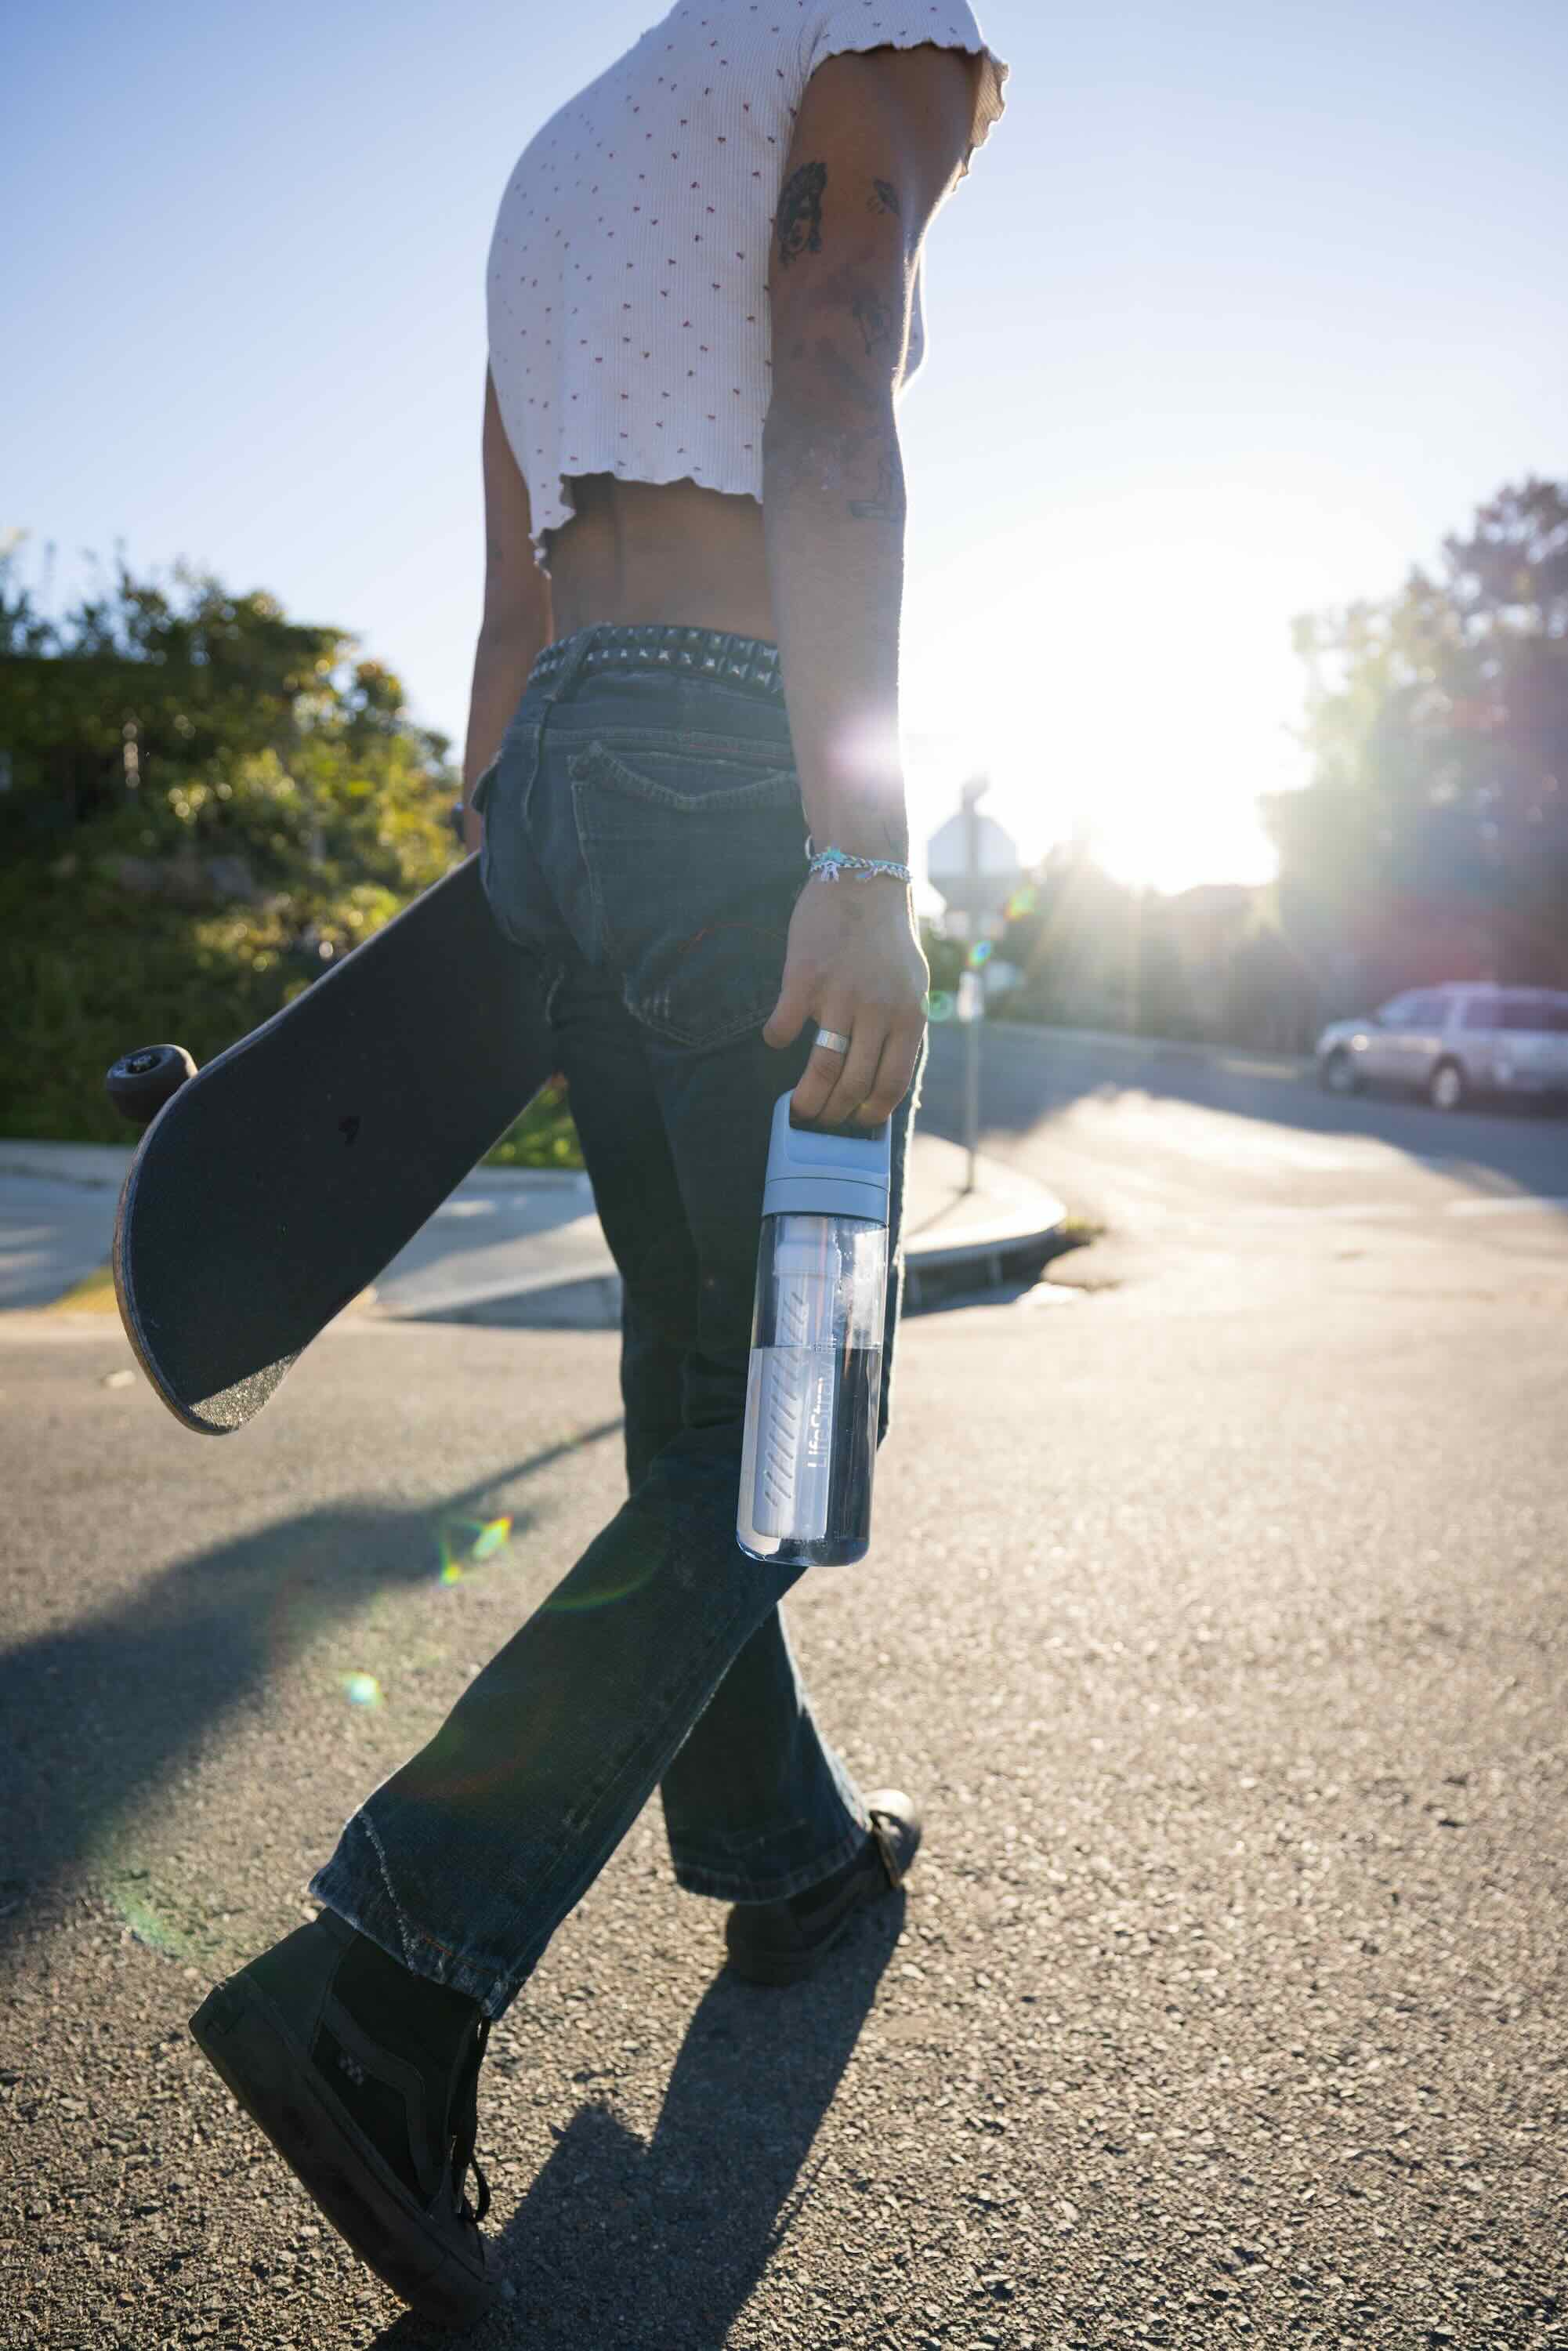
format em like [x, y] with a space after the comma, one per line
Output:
[139, 1083]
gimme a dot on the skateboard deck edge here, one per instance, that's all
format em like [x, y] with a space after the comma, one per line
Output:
[238, 1400]
[131, 1321]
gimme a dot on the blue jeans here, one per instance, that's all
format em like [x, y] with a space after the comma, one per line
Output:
[644, 843]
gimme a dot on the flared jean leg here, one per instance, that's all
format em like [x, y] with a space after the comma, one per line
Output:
[755, 1803]
[643, 842]
[464, 1863]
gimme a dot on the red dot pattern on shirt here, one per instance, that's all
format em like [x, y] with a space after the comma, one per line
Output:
[546, 208]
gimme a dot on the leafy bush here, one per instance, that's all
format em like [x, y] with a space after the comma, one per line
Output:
[207, 807]
[543, 1137]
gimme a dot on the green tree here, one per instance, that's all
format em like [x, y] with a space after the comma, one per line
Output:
[204, 804]
[1432, 839]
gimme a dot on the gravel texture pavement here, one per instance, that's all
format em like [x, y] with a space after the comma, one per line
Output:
[1215, 1617]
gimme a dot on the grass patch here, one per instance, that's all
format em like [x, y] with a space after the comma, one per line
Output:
[93, 1294]
[1077, 1232]
[543, 1137]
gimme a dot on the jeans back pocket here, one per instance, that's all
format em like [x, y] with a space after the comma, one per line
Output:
[695, 855]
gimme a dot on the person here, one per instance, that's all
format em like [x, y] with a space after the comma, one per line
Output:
[683, 766]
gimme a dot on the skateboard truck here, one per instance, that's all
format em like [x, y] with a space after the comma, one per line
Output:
[139, 1083]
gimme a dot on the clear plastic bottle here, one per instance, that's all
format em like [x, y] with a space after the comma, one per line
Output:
[815, 1384]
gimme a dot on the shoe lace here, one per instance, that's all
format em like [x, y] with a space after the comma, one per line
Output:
[467, 2135]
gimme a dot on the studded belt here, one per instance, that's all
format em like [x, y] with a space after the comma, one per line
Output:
[749, 662]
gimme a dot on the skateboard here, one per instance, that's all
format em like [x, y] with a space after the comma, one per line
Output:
[274, 1184]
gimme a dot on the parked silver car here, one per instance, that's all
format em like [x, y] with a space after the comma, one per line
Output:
[1453, 1042]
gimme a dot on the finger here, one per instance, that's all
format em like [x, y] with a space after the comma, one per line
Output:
[894, 1075]
[822, 1072]
[857, 1069]
[792, 1010]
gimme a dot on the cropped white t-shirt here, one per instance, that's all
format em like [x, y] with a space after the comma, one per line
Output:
[609, 333]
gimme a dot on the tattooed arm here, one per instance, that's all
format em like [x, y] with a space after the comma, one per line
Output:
[879, 140]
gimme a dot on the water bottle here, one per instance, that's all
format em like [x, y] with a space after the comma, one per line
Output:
[814, 1390]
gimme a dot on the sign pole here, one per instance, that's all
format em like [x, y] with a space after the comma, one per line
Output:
[972, 793]
[974, 868]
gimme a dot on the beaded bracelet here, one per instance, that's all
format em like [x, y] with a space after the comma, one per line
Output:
[831, 862]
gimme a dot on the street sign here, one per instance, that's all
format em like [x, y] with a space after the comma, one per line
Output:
[972, 863]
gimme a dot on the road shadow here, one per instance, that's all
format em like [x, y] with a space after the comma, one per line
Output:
[101, 1712]
[619, 2244]
[1032, 1077]
[590, 1301]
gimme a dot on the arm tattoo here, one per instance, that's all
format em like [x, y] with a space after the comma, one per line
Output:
[875, 320]
[887, 506]
[883, 198]
[817, 458]
[801, 213]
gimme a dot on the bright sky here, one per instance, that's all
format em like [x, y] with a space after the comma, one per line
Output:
[1238, 311]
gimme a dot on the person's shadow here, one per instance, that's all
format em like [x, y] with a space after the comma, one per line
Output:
[622, 2246]
[103, 1711]
[648, 2246]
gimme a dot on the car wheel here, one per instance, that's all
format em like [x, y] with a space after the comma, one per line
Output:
[1446, 1088]
[1339, 1074]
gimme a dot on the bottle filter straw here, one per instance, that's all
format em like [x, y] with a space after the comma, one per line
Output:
[795, 1383]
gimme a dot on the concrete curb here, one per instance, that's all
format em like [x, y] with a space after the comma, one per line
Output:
[956, 1240]
[105, 1164]
[1253, 1060]
[93, 1164]
[1002, 1232]
[1009, 1251]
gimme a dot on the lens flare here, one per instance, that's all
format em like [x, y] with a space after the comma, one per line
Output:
[147, 1917]
[467, 1542]
[153, 1932]
[1022, 902]
[566, 1602]
[981, 952]
[361, 1689]
[939, 1005]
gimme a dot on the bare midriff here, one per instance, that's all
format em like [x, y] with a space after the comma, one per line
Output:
[639, 552]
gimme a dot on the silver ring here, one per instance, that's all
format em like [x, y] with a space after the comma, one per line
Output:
[832, 1041]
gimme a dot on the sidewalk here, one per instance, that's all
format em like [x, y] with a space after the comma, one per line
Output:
[1004, 1231]
[514, 1247]
[57, 1217]
[1245, 1061]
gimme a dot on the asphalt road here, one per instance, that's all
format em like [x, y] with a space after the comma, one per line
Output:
[1215, 1615]
[1179, 1148]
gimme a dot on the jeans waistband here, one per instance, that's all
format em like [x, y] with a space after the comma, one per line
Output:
[750, 664]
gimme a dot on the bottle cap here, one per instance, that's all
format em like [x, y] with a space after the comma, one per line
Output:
[815, 1171]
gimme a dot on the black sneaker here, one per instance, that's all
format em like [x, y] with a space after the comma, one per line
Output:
[780, 1942]
[365, 2078]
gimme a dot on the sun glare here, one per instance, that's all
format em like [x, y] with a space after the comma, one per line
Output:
[1140, 702]
[1150, 820]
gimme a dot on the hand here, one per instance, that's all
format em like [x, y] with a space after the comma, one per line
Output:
[855, 965]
